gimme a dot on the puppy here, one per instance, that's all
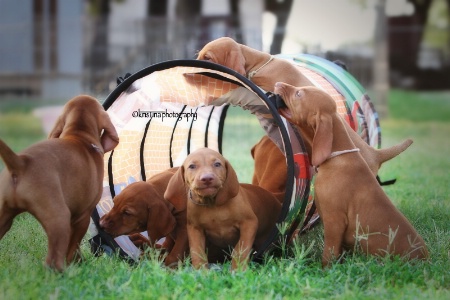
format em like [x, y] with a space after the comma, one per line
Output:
[260, 67]
[265, 70]
[270, 171]
[141, 206]
[59, 181]
[220, 211]
[353, 207]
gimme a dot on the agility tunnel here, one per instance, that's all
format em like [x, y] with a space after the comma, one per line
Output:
[169, 109]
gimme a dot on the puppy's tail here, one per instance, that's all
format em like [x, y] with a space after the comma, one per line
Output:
[13, 162]
[391, 152]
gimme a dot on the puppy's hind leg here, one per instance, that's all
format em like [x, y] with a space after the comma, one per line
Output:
[58, 232]
[6, 219]
[79, 229]
[333, 240]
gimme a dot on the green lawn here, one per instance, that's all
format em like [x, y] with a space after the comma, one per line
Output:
[421, 193]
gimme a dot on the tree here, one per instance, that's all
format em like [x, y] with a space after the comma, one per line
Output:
[99, 52]
[97, 59]
[381, 61]
[417, 22]
[421, 14]
[281, 9]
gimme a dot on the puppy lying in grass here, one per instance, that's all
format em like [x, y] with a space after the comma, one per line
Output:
[141, 207]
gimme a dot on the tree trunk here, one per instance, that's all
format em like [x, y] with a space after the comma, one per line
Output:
[98, 58]
[281, 9]
[235, 22]
[381, 62]
[420, 16]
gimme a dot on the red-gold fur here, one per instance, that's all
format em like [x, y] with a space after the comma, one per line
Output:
[353, 207]
[141, 207]
[270, 171]
[59, 181]
[243, 59]
[220, 211]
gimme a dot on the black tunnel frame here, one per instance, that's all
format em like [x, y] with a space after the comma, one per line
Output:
[125, 83]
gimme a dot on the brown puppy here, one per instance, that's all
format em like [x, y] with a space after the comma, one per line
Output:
[353, 207]
[270, 171]
[59, 181]
[220, 211]
[260, 67]
[246, 61]
[141, 206]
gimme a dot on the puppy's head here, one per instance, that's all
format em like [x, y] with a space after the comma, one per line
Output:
[85, 113]
[224, 51]
[312, 110]
[205, 176]
[138, 208]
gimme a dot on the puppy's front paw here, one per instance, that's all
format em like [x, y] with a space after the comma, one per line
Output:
[139, 240]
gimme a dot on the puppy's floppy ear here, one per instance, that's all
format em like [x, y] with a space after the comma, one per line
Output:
[109, 138]
[161, 221]
[176, 188]
[234, 59]
[323, 139]
[230, 187]
[58, 127]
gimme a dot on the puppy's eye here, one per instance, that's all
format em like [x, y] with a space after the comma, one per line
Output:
[217, 164]
[126, 213]
[298, 94]
[206, 57]
[191, 166]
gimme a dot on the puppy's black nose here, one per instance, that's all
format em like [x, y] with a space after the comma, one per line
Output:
[276, 100]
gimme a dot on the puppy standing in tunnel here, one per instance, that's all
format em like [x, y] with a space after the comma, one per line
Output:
[221, 211]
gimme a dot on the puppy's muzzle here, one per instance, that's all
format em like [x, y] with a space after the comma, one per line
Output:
[106, 223]
[276, 100]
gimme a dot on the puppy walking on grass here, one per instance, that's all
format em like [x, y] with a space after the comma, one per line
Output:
[59, 181]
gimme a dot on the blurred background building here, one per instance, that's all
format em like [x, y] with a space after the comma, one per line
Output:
[59, 48]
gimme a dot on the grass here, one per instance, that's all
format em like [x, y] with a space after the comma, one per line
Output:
[421, 193]
[26, 105]
[420, 107]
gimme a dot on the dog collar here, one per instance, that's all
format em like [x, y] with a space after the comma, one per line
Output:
[97, 148]
[337, 153]
[253, 73]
